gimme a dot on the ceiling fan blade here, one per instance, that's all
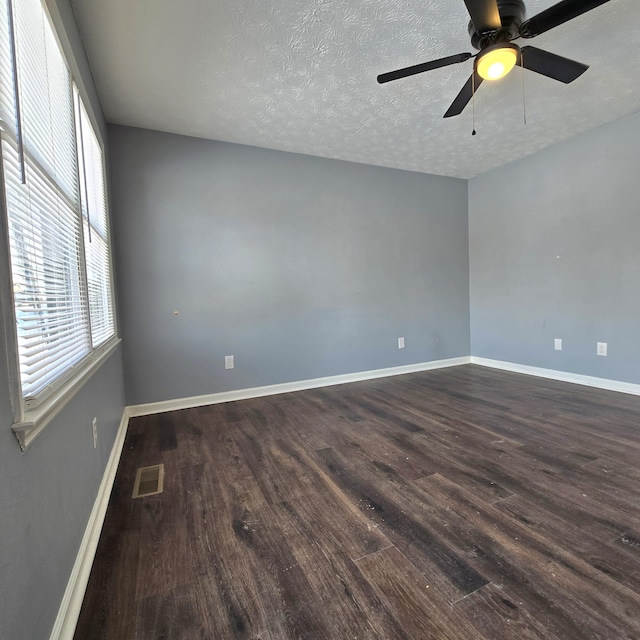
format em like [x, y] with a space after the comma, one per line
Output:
[484, 14]
[420, 68]
[556, 15]
[465, 95]
[551, 65]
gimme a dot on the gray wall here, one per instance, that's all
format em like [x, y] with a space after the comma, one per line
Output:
[300, 267]
[555, 253]
[47, 493]
[46, 496]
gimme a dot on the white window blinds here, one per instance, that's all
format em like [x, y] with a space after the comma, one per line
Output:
[55, 202]
[96, 229]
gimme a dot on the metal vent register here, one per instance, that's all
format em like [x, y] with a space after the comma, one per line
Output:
[149, 481]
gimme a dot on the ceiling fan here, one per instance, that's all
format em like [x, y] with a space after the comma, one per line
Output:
[493, 27]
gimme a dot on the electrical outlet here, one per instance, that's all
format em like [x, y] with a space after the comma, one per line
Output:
[601, 349]
[557, 344]
[94, 430]
[400, 343]
[228, 362]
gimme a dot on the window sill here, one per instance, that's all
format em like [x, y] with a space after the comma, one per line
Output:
[35, 420]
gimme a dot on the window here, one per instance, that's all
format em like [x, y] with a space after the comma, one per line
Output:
[56, 214]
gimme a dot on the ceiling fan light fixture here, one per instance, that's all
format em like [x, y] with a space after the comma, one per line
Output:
[496, 61]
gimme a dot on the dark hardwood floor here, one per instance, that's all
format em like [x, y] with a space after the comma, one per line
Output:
[458, 504]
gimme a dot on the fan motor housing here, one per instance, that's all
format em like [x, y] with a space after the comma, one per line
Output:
[512, 15]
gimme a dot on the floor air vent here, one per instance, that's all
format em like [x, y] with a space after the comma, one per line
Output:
[149, 481]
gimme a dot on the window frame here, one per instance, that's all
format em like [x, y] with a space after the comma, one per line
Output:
[31, 417]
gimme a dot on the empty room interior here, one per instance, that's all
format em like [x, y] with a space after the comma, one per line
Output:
[286, 353]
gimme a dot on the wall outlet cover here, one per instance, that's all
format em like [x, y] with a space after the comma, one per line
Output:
[400, 343]
[601, 348]
[228, 362]
[557, 344]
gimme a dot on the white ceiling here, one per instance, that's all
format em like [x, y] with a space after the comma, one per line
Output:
[300, 75]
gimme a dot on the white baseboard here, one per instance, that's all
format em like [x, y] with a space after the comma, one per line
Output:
[562, 376]
[67, 618]
[287, 387]
[69, 610]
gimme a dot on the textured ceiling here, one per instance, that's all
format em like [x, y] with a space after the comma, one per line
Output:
[300, 75]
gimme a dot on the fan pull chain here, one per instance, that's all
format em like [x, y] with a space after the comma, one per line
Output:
[473, 101]
[524, 100]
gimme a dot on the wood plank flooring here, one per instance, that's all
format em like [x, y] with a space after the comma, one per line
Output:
[458, 504]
